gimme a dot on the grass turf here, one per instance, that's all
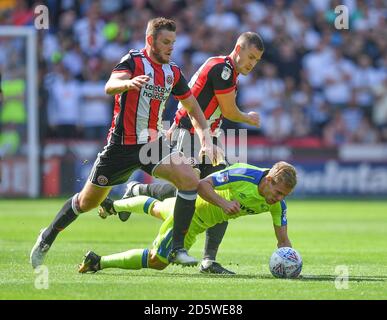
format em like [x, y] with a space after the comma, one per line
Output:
[326, 233]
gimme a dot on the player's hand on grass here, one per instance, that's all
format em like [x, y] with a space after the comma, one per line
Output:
[137, 82]
[254, 119]
[231, 207]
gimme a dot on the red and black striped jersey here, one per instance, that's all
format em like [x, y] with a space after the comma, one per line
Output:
[216, 76]
[138, 114]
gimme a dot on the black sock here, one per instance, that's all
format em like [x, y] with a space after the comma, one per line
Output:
[214, 237]
[64, 217]
[184, 210]
[160, 191]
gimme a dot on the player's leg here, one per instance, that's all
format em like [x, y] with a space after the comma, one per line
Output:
[159, 191]
[186, 181]
[89, 198]
[214, 235]
[139, 258]
[176, 169]
[139, 205]
[112, 166]
[134, 259]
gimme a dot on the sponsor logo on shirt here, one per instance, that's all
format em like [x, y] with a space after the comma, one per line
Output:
[156, 92]
[248, 210]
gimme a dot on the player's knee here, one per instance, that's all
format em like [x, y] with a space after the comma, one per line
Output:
[186, 179]
[155, 263]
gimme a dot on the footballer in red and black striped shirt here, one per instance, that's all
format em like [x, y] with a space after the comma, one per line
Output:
[141, 83]
[214, 84]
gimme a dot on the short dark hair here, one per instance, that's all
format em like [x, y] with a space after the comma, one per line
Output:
[251, 38]
[157, 24]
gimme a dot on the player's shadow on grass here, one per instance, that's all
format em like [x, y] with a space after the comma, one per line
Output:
[244, 276]
[327, 277]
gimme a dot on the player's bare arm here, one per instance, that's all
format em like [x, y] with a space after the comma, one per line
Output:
[282, 236]
[120, 82]
[231, 111]
[206, 191]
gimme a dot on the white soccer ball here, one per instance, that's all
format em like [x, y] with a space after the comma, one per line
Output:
[285, 262]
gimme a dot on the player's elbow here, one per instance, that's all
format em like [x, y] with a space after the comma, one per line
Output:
[230, 115]
[108, 89]
[202, 186]
[206, 191]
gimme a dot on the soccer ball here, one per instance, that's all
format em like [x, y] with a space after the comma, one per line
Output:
[285, 262]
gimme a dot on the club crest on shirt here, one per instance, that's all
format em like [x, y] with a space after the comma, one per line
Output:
[102, 180]
[222, 177]
[226, 73]
[169, 79]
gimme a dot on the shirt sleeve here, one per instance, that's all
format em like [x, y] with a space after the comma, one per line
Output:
[222, 78]
[278, 213]
[235, 173]
[180, 88]
[125, 65]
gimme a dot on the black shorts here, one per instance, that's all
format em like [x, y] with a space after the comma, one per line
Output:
[116, 163]
[189, 145]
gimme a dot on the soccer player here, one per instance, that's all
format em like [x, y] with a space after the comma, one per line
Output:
[141, 84]
[214, 86]
[236, 191]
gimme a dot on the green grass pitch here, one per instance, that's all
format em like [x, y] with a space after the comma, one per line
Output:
[326, 233]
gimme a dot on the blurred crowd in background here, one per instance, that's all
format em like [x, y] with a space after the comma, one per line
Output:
[314, 81]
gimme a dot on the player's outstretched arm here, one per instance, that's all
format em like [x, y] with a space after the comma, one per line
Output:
[206, 191]
[120, 82]
[282, 236]
[231, 111]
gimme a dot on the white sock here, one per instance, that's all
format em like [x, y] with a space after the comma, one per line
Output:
[207, 262]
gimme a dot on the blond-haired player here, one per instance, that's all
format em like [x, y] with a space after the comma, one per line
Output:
[237, 191]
